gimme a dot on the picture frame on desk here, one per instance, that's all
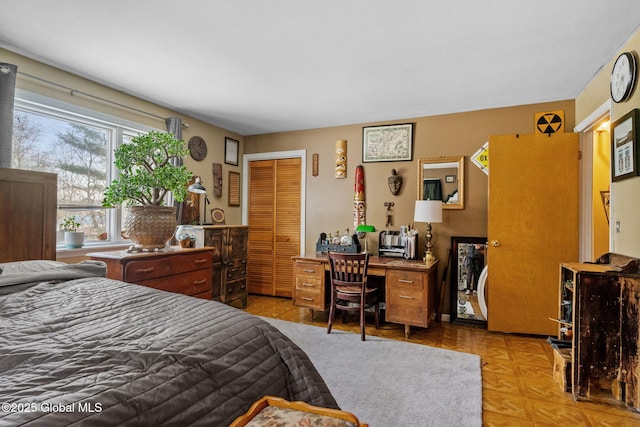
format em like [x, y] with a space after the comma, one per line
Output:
[624, 146]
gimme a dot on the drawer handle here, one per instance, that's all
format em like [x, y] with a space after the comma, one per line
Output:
[309, 285]
[306, 270]
[200, 261]
[405, 281]
[307, 298]
[145, 270]
[406, 297]
[199, 282]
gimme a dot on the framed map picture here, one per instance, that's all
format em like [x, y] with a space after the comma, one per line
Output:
[390, 143]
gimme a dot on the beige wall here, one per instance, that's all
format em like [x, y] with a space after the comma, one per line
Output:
[330, 201]
[625, 194]
[213, 135]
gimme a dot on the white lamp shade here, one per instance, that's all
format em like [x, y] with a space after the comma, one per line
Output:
[428, 211]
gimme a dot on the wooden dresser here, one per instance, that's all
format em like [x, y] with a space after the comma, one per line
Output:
[27, 215]
[409, 287]
[228, 244]
[184, 271]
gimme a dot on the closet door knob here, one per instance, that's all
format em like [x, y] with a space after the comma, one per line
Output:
[495, 243]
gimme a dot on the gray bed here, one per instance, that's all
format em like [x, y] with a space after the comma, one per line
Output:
[79, 349]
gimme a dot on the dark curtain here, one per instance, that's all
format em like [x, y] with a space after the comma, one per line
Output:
[7, 94]
[174, 126]
[431, 189]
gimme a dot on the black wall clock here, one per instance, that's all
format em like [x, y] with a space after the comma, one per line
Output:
[197, 148]
[623, 77]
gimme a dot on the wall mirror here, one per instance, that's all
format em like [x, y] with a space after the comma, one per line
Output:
[468, 280]
[442, 178]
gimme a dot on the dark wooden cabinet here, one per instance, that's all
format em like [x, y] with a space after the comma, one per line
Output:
[229, 261]
[598, 315]
[27, 215]
[184, 271]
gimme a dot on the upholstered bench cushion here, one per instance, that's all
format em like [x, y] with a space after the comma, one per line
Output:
[277, 412]
[281, 417]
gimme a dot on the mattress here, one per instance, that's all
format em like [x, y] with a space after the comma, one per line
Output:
[77, 348]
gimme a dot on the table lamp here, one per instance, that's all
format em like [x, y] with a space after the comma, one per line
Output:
[366, 229]
[428, 211]
[198, 188]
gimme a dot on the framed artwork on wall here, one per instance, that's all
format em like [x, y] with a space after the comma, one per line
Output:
[624, 146]
[231, 151]
[389, 143]
[234, 188]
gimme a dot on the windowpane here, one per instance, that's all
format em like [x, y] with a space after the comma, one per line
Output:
[76, 145]
[77, 153]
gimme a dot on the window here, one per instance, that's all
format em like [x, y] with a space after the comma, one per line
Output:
[77, 145]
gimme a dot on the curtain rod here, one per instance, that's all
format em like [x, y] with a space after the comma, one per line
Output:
[75, 91]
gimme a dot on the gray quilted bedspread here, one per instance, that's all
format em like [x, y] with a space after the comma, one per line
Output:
[94, 351]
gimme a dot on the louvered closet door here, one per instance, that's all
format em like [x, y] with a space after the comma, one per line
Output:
[274, 225]
[287, 221]
[261, 217]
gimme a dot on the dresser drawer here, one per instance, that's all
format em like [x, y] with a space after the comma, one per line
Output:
[192, 283]
[237, 271]
[235, 289]
[147, 269]
[312, 300]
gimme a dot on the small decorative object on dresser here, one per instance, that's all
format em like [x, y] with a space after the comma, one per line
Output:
[228, 244]
[186, 236]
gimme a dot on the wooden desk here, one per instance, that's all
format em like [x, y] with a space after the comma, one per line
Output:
[410, 287]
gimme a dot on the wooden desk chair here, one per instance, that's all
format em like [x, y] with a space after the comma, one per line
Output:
[349, 291]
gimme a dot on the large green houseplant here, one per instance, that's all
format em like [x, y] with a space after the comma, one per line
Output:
[147, 174]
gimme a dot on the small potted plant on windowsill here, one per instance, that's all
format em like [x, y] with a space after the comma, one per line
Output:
[73, 238]
[147, 174]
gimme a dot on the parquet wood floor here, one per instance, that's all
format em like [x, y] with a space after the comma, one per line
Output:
[517, 384]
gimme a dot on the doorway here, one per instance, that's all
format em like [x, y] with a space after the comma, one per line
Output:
[595, 184]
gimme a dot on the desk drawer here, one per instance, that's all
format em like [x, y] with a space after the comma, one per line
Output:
[312, 300]
[409, 280]
[309, 284]
[147, 269]
[406, 298]
[308, 269]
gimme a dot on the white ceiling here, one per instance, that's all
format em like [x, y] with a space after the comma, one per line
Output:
[258, 66]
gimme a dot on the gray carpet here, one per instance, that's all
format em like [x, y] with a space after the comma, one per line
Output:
[389, 383]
